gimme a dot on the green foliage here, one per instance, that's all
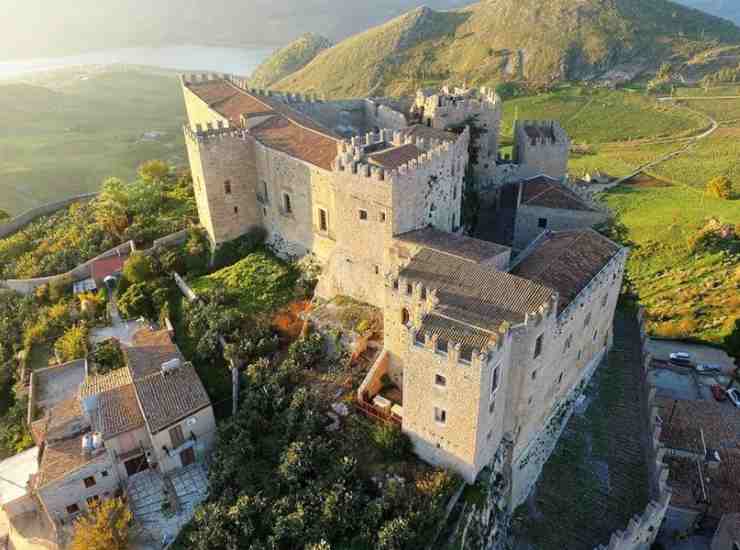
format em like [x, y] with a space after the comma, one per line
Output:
[107, 356]
[72, 344]
[154, 171]
[390, 439]
[105, 527]
[197, 252]
[258, 283]
[139, 211]
[232, 251]
[145, 299]
[719, 187]
[4, 216]
[138, 268]
[305, 487]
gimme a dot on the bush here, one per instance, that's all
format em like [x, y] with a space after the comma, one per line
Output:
[107, 356]
[138, 268]
[73, 344]
[391, 440]
[231, 252]
[154, 171]
[105, 527]
[719, 188]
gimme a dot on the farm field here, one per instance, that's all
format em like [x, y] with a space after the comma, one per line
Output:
[62, 136]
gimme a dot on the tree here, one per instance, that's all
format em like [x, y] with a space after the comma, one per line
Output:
[154, 171]
[138, 268]
[4, 216]
[105, 527]
[73, 343]
[136, 301]
[719, 187]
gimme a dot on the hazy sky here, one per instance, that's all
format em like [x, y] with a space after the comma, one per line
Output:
[56, 27]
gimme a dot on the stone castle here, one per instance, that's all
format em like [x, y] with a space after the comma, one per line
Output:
[485, 343]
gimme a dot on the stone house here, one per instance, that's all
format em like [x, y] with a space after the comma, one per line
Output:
[483, 351]
[153, 413]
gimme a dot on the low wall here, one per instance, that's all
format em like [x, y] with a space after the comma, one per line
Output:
[372, 383]
[21, 220]
[643, 529]
[188, 292]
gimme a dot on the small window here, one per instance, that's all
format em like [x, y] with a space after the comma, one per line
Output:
[381, 217]
[89, 481]
[323, 220]
[560, 378]
[534, 375]
[405, 317]
[227, 187]
[395, 284]
[176, 437]
[531, 398]
[93, 500]
[492, 406]
[73, 509]
[377, 270]
[423, 293]
[495, 380]
[440, 415]
[363, 214]
[104, 473]
[236, 210]
[568, 342]
[596, 333]
[287, 205]
[409, 289]
[588, 320]
[489, 435]
[538, 347]
[454, 192]
[264, 191]
[440, 381]
[466, 355]
[542, 223]
[580, 353]
[442, 346]
[604, 300]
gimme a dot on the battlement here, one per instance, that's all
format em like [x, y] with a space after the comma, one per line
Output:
[461, 100]
[540, 133]
[243, 84]
[352, 154]
[219, 129]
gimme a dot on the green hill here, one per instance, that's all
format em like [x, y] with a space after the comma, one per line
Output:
[530, 40]
[289, 59]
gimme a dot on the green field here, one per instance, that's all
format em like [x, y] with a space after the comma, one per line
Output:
[65, 135]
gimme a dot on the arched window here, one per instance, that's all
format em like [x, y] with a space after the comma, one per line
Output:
[227, 187]
[405, 317]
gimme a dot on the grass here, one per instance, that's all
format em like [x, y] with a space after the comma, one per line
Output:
[62, 137]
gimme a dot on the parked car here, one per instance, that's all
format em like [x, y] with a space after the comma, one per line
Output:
[734, 396]
[680, 358]
[719, 393]
[703, 368]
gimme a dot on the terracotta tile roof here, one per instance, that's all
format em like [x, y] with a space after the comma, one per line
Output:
[476, 295]
[549, 193]
[64, 457]
[425, 132]
[117, 412]
[289, 131]
[722, 485]
[164, 398]
[566, 261]
[468, 248]
[107, 266]
[100, 383]
[448, 330]
[61, 420]
[391, 159]
[684, 421]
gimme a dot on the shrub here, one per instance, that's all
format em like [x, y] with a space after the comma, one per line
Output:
[107, 356]
[391, 440]
[73, 344]
[138, 268]
[719, 187]
[105, 527]
[154, 171]
[231, 252]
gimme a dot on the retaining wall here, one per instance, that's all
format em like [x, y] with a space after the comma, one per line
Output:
[27, 217]
[643, 529]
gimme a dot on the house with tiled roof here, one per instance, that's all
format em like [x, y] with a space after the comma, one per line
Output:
[484, 349]
[151, 414]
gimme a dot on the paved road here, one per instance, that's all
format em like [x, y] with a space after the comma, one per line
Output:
[661, 349]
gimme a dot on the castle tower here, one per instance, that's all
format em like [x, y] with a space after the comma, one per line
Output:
[541, 147]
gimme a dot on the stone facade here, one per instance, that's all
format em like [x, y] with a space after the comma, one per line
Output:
[487, 352]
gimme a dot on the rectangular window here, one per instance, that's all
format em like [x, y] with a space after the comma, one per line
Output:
[287, 206]
[440, 415]
[494, 379]
[176, 437]
[382, 217]
[580, 353]
[409, 289]
[466, 355]
[89, 481]
[538, 347]
[236, 210]
[227, 187]
[377, 270]
[442, 346]
[73, 509]
[454, 192]
[542, 223]
[440, 381]
[363, 214]
[596, 333]
[93, 500]
[104, 473]
[323, 220]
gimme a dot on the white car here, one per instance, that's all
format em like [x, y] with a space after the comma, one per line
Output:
[734, 396]
[680, 358]
[703, 368]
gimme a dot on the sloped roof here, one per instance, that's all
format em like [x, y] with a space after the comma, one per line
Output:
[449, 330]
[100, 383]
[425, 132]
[566, 261]
[468, 248]
[118, 411]
[63, 457]
[289, 131]
[473, 294]
[394, 157]
[684, 422]
[546, 192]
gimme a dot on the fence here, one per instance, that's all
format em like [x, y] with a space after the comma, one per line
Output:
[21, 220]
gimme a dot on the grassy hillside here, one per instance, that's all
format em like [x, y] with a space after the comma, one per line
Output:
[511, 39]
[289, 59]
[63, 138]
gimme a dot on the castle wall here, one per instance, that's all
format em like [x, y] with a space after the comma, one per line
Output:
[382, 116]
[542, 156]
[527, 227]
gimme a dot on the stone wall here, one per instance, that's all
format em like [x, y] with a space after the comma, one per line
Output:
[527, 225]
[542, 155]
[18, 222]
[642, 530]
